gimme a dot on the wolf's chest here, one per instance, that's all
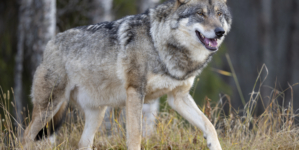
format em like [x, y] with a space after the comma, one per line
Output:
[158, 86]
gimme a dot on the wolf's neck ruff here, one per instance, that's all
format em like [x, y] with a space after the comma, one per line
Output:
[177, 62]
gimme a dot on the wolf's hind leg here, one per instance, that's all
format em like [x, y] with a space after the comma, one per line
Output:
[40, 117]
[149, 112]
[48, 97]
[93, 120]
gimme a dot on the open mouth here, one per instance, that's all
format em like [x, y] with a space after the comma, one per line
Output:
[210, 44]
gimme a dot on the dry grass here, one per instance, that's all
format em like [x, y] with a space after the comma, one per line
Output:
[274, 129]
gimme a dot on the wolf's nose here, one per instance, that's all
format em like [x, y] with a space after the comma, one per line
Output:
[219, 32]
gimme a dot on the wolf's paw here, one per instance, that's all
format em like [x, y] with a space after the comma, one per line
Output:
[213, 144]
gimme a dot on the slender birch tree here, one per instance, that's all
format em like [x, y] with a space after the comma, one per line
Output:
[37, 22]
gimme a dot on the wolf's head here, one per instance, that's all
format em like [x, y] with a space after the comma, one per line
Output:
[196, 24]
[186, 33]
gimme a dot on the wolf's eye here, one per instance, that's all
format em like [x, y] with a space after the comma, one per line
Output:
[219, 14]
[201, 14]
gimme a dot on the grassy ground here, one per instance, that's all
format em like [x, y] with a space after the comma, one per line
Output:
[274, 129]
[238, 130]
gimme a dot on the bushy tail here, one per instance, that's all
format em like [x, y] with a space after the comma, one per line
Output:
[54, 124]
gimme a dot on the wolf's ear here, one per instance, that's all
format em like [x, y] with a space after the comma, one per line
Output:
[180, 2]
[225, 1]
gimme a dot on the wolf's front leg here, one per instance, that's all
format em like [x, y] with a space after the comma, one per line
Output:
[134, 119]
[185, 106]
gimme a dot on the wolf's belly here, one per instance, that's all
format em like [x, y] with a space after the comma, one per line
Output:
[91, 96]
[96, 90]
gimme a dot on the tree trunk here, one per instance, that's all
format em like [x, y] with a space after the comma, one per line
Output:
[294, 55]
[245, 52]
[36, 27]
[103, 11]
[43, 27]
[278, 40]
[266, 31]
[18, 86]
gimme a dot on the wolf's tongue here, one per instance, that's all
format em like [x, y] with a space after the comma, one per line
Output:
[212, 41]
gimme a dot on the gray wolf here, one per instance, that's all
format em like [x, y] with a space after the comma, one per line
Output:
[129, 62]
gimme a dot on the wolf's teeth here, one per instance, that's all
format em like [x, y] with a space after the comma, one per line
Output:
[210, 44]
[202, 35]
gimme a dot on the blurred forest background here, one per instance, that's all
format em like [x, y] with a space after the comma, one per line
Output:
[264, 32]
